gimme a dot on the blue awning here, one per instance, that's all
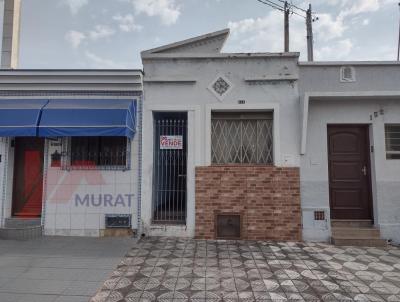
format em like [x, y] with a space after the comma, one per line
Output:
[88, 117]
[20, 117]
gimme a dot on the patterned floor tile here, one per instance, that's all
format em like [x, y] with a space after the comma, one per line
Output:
[187, 270]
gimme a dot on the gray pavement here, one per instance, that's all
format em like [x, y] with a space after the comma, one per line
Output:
[58, 269]
[187, 270]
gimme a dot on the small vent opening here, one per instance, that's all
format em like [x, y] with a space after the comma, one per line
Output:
[118, 221]
[319, 215]
[228, 226]
[347, 74]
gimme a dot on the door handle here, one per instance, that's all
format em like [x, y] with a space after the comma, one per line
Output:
[364, 170]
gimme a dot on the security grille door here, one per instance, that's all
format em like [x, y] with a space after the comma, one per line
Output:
[169, 174]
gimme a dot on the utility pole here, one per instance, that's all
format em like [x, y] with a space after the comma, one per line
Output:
[310, 42]
[286, 29]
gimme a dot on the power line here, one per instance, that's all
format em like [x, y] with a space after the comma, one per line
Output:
[292, 5]
[293, 12]
[279, 7]
[291, 9]
[272, 4]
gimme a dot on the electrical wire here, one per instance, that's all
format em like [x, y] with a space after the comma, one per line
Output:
[292, 5]
[272, 4]
[279, 7]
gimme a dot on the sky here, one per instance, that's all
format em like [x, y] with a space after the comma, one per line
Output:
[111, 33]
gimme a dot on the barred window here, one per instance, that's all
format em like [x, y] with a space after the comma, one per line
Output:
[98, 152]
[241, 138]
[392, 138]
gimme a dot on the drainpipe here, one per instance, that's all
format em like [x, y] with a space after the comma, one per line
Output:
[139, 199]
[5, 150]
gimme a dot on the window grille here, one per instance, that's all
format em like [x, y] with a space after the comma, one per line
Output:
[392, 138]
[97, 153]
[241, 138]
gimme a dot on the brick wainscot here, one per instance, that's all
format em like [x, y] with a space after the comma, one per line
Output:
[267, 197]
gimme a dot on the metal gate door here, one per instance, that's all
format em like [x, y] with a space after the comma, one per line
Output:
[169, 172]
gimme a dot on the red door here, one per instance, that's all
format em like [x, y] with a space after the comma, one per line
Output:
[28, 177]
[349, 172]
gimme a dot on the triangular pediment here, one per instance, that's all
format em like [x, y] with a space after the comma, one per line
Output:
[208, 43]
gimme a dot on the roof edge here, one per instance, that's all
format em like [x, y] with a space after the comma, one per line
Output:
[353, 63]
[221, 55]
[68, 70]
[175, 45]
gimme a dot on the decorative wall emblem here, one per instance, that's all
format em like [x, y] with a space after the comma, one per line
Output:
[220, 87]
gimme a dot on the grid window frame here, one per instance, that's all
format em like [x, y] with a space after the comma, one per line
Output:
[242, 138]
[118, 160]
[392, 141]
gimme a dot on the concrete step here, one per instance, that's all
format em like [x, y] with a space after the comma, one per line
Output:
[360, 223]
[372, 242]
[23, 233]
[354, 232]
[29, 213]
[16, 222]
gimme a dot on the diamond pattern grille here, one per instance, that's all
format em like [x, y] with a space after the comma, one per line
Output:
[220, 86]
[241, 141]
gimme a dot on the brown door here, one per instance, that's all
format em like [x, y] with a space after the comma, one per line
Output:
[28, 177]
[349, 172]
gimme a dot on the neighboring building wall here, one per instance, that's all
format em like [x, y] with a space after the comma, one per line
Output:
[373, 99]
[75, 202]
[6, 177]
[263, 82]
[11, 33]
[268, 198]
[61, 214]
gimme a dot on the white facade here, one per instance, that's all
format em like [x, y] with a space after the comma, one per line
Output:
[305, 98]
[372, 99]
[179, 77]
[73, 200]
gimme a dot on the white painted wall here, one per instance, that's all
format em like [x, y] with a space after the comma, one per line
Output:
[64, 214]
[6, 178]
[347, 106]
[177, 84]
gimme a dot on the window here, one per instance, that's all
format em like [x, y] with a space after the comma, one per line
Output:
[392, 138]
[98, 152]
[241, 138]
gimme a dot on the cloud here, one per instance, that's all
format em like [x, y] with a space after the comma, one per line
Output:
[127, 23]
[265, 34]
[75, 5]
[167, 10]
[365, 22]
[75, 38]
[355, 7]
[101, 31]
[328, 28]
[102, 63]
[339, 50]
